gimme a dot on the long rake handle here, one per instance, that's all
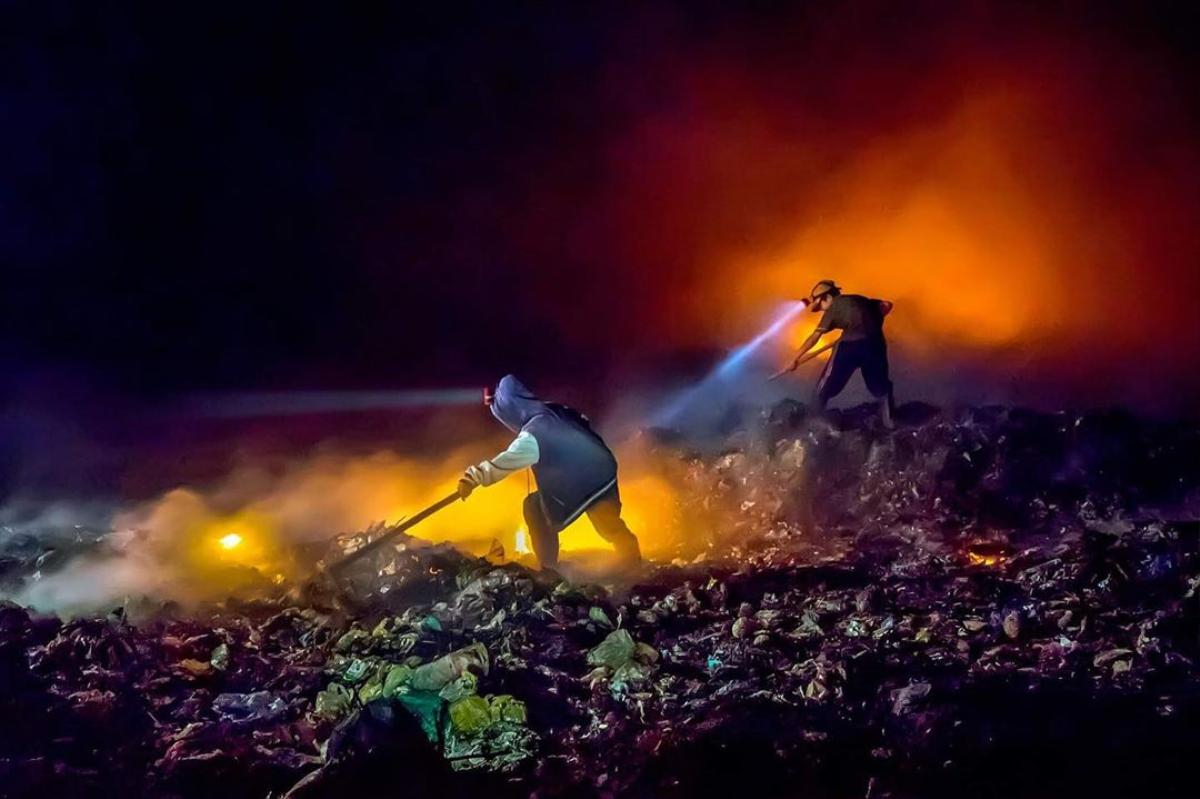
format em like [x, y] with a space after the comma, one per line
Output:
[376, 543]
[802, 361]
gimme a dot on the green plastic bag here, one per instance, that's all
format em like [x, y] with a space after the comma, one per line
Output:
[397, 677]
[470, 716]
[334, 702]
[507, 708]
[427, 707]
[614, 651]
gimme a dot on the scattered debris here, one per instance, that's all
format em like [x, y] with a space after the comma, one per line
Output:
[870, 614]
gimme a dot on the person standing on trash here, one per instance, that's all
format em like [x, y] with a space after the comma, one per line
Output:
[576, 472]
[861, 346]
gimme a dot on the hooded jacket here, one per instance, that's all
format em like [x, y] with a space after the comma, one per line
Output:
[571, 463]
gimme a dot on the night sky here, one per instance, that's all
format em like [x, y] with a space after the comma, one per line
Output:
[251, 195]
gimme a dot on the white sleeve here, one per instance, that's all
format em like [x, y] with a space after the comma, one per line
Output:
[521, 453]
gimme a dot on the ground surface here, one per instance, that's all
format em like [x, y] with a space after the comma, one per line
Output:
[988, 602]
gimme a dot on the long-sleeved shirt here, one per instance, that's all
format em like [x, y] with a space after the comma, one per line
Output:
[859, 318]
[521, 453]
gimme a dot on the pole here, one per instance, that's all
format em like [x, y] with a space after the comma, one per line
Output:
[803, 360]
[376, 543]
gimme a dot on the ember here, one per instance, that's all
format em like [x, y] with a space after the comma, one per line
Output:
[979, 559]
[988, 555]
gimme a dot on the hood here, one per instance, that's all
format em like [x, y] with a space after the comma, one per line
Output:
[514, 405]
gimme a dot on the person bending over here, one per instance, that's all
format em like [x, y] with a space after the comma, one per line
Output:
[861, 346]
[576, 472]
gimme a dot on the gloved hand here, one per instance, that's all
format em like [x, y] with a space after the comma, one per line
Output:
[472, 478]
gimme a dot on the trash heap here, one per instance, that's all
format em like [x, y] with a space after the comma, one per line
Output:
[989, 602]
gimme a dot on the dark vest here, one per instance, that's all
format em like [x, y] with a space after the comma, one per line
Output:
[575, 467]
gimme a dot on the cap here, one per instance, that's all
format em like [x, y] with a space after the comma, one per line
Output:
[822, 288]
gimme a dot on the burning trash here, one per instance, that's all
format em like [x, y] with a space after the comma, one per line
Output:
[987, 554]
[862, 613]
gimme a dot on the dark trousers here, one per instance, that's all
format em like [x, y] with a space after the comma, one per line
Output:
[869, 355]
[605, 516]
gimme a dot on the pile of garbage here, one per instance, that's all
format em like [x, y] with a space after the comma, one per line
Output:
[989, 602]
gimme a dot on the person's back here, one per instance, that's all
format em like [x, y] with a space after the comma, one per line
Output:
[576, 472]
[861, 345]
[858, 317]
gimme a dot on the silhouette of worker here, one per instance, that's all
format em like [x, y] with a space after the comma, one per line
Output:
[861, 346]
[575, 470]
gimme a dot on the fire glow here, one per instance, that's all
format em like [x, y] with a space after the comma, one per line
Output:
[988, 556]
[521, 542]
[976, 215]
[202, 542]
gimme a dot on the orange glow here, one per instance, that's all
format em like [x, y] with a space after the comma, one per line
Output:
[241, 539]
[988, 555]
[939, 223]
[1012, 210]
[251, 520]
[648, 503]
[977, 559]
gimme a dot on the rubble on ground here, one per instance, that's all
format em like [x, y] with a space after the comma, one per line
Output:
[991, 601]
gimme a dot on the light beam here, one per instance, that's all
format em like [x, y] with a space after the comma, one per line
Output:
[291, 403]
[729, 366]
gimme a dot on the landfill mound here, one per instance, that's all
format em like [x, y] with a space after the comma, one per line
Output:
[985, 602]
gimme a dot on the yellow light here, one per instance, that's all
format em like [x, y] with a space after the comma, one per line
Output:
[230, 541]
[988, 555]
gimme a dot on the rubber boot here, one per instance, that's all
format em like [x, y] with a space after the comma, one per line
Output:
[543, 538]
[606, 518]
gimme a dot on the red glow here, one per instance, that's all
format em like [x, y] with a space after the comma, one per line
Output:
[1011, 189]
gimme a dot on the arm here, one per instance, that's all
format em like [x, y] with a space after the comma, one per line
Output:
[829, 320]
[808, 344]
[521, 453]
